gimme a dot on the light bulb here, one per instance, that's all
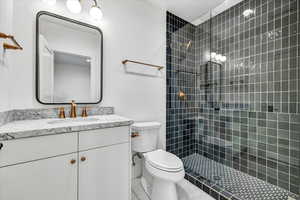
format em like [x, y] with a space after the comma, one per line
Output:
[223, 59]
[74, 6]
[50, 2]
[96, 13]
[248, 12]
[213, 55]
[218, 57]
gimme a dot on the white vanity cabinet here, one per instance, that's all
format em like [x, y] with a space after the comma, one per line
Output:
[104, 164]
[48, 179]
[89, 165]
[104, 173]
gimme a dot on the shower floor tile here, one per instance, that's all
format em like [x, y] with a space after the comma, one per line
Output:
[239, 184]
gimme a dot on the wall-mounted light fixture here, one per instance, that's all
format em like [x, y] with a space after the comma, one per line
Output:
[74, 6]
[96, 12]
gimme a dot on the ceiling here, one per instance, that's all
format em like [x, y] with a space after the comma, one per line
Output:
[189, 10]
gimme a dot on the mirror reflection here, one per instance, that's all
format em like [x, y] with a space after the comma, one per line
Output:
[69, 62]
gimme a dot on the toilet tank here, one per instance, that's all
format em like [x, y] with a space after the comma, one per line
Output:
[144, 136]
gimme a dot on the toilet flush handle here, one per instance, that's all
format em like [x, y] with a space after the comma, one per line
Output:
[135, 134]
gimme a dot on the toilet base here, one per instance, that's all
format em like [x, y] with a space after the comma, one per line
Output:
[163, 190]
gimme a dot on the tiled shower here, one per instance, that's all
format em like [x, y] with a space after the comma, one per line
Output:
[236, 122]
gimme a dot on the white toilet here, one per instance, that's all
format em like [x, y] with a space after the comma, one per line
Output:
[165, 168]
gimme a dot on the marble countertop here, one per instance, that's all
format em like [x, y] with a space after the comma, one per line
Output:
[41, 127]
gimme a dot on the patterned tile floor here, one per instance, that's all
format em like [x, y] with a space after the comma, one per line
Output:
[239, 184]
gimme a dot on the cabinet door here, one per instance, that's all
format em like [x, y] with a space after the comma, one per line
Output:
[49, 179]
[104, 173]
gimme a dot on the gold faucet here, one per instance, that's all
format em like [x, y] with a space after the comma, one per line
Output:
[73, 113]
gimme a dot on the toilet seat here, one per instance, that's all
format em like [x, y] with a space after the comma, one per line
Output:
[163, 160]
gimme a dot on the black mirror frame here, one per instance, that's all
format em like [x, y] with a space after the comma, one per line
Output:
[39, 14]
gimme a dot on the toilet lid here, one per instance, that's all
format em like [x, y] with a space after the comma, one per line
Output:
[145, 125]
[164, 160]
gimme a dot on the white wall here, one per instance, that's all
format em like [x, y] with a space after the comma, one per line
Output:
[5, 27]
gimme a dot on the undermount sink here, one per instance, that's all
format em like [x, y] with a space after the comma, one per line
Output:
[72, 120]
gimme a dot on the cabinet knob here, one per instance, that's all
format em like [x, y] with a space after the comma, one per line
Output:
[73, 161]
[83, 159]
[1, 146]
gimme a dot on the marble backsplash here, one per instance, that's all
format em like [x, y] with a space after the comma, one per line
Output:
[44, 113]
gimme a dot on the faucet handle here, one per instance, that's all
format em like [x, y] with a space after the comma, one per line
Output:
[84, 112]
[62, 112]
